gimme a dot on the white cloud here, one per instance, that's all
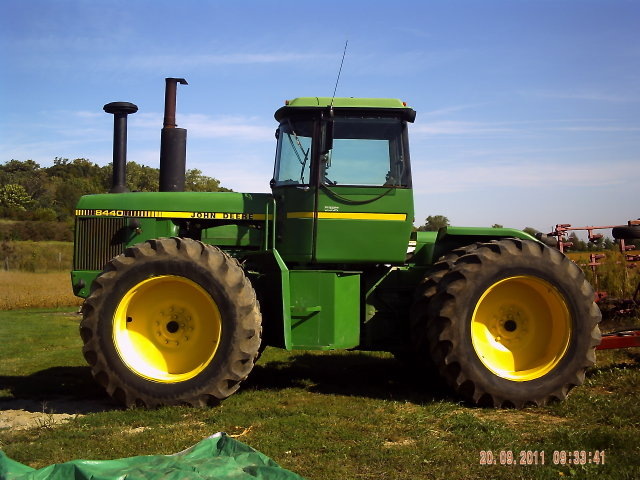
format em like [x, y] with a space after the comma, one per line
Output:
[435, 179]
[90, 115]
[600, 128]
[247, 129]
[517, 127]
[205, 126]
[152, 61]
[589, 95]
[451, 109]
[452, 127]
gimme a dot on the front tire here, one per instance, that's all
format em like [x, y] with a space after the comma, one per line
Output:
[512, 323]
[171, 321]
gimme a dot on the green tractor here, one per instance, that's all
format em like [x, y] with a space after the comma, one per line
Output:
[183, 290]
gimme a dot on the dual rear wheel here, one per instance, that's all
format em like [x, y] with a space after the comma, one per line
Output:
[507, 323]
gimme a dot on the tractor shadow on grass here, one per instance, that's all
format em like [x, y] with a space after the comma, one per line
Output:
[356, 374]
[632, 362]
[70, 390]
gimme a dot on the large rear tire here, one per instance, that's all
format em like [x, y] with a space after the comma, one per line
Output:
[626, 232]
[421, 329]
[511, 323]
[171, 321]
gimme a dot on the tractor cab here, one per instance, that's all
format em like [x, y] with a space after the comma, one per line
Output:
[342, 181]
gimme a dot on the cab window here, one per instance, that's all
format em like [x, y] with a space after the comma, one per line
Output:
[367, 152]
[293, 153]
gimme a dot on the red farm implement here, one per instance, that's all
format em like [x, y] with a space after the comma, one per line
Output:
[623, 234]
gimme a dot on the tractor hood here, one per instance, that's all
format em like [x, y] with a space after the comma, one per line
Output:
[184, 205]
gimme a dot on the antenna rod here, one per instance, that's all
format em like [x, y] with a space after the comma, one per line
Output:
[339, 72]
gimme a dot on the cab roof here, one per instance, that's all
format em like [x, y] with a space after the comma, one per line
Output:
[383, 106]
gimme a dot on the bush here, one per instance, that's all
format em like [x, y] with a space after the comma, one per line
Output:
[615, 275]
[36, 231]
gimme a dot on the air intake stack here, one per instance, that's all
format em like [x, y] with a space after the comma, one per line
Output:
[173, 142]
[120, 110]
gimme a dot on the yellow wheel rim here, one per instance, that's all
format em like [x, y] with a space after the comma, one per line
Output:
[167, 329]
[521, 328]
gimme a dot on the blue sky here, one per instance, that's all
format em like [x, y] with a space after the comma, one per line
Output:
[528, 111]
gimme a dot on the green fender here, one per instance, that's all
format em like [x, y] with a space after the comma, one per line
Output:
[432, 245]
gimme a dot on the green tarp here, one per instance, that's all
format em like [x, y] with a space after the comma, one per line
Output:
[217, 457]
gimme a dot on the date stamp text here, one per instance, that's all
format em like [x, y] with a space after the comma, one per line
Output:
[540, 457]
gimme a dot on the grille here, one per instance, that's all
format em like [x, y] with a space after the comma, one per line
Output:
[98, 240]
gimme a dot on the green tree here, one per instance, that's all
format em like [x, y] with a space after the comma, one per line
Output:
[30, 192]
[433, 223]
[15, 197]
[27, 173]
[196, 182]
[69, 191]
[578, 245]
[78, 168]
[609, 244]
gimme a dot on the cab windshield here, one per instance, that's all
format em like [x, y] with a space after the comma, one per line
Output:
[293, 153]
[365, 152]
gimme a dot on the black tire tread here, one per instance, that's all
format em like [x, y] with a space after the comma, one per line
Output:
[424, 292]
[626, 232]
[247, 337]
[443, 310]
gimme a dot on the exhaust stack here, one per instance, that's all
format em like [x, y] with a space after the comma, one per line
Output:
[173, 142]
[120, 110]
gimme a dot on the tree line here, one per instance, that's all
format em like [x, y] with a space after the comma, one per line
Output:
[31, 192]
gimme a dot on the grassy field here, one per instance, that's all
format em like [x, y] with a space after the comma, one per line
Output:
[323, 415]
[36, 256]
[613, 275]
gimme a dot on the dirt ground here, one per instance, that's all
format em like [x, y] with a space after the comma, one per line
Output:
[22, 420]
[25, 414]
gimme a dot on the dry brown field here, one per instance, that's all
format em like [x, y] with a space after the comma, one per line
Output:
[20, 290]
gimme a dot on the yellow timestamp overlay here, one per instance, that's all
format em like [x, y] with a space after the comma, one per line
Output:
[541, 457]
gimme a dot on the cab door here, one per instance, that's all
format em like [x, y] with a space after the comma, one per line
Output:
[364, 204]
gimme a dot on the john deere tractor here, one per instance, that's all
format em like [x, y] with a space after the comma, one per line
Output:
[183, 290]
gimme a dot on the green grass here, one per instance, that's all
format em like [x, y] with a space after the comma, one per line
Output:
[323, 415]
